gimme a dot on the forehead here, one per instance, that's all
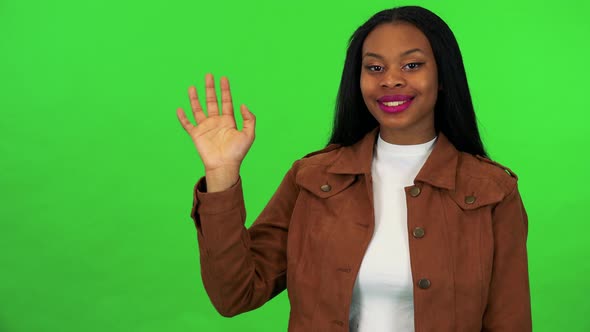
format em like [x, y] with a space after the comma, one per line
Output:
[395, 38]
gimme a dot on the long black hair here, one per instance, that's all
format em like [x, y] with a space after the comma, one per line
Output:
[453, 112]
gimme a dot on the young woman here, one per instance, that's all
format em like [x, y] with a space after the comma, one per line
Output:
[400, 224]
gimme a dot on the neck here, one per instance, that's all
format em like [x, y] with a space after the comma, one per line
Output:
[406, 138]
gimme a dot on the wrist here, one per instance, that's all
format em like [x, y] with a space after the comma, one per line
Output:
[221, 179]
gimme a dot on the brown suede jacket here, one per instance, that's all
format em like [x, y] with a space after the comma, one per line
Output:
[467, 230]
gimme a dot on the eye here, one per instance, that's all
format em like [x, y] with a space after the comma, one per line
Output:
[413, 65]
[374, 68]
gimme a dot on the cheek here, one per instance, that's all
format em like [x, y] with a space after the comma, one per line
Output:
[429, 85]
[434, 83]
[365, 86]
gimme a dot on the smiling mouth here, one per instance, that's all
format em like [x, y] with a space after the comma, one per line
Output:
[395, 103]
[395, 106]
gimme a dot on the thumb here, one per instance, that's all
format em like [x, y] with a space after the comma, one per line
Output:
[249, 120]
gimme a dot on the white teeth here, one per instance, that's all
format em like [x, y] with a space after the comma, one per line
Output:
[394, 103]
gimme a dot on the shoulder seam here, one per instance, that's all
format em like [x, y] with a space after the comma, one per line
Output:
[506, 182]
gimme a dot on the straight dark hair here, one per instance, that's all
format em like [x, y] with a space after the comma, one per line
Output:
[453, 112]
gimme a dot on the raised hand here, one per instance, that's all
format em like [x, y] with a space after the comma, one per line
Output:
[221, 146]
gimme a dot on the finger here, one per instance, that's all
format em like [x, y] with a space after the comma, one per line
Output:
[227, 107]
[211, 97]
[198, 112]
[249, 123]
[184, 121]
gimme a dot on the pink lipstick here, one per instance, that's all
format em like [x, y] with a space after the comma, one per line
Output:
[395, 103]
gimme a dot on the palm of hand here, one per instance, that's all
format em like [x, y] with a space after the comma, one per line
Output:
[219, 142]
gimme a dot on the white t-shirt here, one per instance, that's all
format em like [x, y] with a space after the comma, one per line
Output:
[382, 298]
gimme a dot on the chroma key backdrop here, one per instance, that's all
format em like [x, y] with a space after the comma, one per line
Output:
[96, 173]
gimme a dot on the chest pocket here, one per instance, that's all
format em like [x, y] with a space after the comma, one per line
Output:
[321, 184]
[474, 193]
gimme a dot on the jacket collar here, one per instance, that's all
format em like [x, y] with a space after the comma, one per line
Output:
[439, 170]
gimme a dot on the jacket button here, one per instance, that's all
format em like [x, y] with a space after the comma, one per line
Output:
[414, 191]
[469, 199]
[418, 232]
[424, 283]
[326, 187]
[338, 322]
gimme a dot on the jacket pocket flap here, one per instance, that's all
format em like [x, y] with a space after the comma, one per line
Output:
[475, 193]
[322, 184]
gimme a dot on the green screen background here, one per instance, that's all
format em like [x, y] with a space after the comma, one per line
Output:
[96, 173]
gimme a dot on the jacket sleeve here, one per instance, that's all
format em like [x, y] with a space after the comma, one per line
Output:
[242, 268]
[508, 307]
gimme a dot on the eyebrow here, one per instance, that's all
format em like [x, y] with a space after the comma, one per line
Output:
[375, 55]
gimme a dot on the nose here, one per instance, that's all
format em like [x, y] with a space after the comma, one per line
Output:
[393, 78]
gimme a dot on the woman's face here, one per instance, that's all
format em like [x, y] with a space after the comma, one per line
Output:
[399, 82]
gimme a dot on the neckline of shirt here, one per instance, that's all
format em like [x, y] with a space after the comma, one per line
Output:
[405, 150]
